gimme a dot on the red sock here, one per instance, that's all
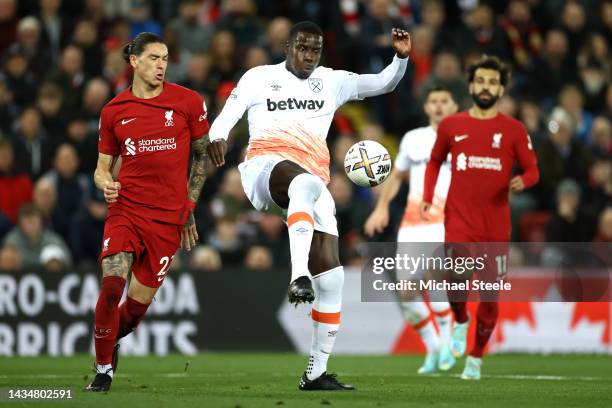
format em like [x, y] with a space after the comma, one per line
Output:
[460, 311]
[107, 317]
[485, 323]
[130, 313]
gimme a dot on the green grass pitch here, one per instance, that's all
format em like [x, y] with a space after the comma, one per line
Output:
[247, 380]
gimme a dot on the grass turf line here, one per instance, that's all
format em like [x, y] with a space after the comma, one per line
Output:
[247, 380]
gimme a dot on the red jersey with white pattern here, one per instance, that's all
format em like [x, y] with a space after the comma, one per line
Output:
[483, 153]
[153, 137]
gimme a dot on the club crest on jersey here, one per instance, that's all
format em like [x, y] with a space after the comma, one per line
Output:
[169, 119]
[497, 141]
[316, 84]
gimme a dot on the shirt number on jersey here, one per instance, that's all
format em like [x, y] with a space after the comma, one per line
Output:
[165, 263]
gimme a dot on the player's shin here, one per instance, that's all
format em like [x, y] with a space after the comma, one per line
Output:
[444, 319]
[325, 318]
[303, 191]
[486, 319]
[107, 321]
[130, 313]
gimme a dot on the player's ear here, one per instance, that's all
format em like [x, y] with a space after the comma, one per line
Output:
[287, 47]
[133, 62]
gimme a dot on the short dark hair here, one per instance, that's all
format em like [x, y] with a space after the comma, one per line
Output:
[28, 210]
[305, 27]
[490, 62]
[437, 88]
[138, 44]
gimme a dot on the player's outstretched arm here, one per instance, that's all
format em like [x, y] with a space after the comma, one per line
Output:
[103, 177]
[379, 219]
[197, 177]
[386, 80]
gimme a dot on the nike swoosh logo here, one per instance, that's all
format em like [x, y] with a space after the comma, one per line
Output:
[124, 121]
[461, 137]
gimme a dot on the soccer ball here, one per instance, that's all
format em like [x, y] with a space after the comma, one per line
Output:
[367, 163]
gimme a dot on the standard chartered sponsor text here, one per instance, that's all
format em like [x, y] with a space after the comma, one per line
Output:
[156, 145]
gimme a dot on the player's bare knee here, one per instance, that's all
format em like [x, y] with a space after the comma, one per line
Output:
[117, 264]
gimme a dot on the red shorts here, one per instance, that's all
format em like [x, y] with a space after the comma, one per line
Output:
[153, 244]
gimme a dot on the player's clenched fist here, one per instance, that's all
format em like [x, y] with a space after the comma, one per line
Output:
[401, 42]
[111, 191]
[216, 150]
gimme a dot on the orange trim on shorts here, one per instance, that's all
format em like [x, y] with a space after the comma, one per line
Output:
[299, 216]
[422, 323]
[443, 313]
[329, 318]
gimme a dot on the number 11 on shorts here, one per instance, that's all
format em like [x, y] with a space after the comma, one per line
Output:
[165, 263]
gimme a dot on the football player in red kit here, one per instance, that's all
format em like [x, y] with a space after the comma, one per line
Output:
[152, 126]
[484, 145]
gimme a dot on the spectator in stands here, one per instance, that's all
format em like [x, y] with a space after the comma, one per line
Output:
[70, 77]
[605, 23]
[192, 35]
[178, 57]
[230, 200]
[8, 110]
[601, 137]
[141, 20]
[205, 257]
[482, 33]
[87, 229]
[522, 32]
[255, 56]
[598, 194]
[86, 38]
[223, 52]
[29, 238]
[554, 68]
[272, 233]
[238, 17]
[29, 43]
[258, 258]
[45, 199]
[276, 38]
[49, 103]
[116, 71]
[10, 259]
[72, 188]
[607, 110]
[572, 101]
[95, 12]
[593, 78]
[8, 23]
[53, 258]
[18, 78]
[84, 140]
[573, 23]
[15, 187]
[447, 72]
[421, 56]
[56, 29]
[530, 115]
[434, 16]
[569, 222]
[198, 69]
[604, 230]
[95, 95]
[561, 156]
[226, 240]
[33, 149]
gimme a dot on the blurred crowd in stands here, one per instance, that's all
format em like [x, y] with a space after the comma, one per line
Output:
[60, 62]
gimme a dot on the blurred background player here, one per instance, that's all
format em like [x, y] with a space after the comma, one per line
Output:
[153, 125]
[484, 145]
[411, 160]
[290, 108]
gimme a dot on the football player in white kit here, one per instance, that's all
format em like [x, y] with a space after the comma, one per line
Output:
[290, 108]
[415, 149]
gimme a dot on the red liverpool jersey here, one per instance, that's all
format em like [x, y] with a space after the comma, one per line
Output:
[153, 137]
[484, 153]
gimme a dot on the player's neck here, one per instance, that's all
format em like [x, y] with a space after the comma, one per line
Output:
[479, 113]
[142, 90]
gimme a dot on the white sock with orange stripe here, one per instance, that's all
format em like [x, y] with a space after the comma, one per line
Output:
[303, 191]
[444, 318]
[325, 319]
[417, 314]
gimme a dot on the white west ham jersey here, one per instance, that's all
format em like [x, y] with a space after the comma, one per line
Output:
[289, 116]
[415, 149]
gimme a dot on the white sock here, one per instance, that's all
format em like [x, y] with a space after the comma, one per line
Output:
[104, 369]
[303, 191]
[418, 315]
[444, 319]
[325, 319]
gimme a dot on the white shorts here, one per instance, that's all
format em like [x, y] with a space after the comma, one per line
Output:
[255, 176]
[421, 233]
